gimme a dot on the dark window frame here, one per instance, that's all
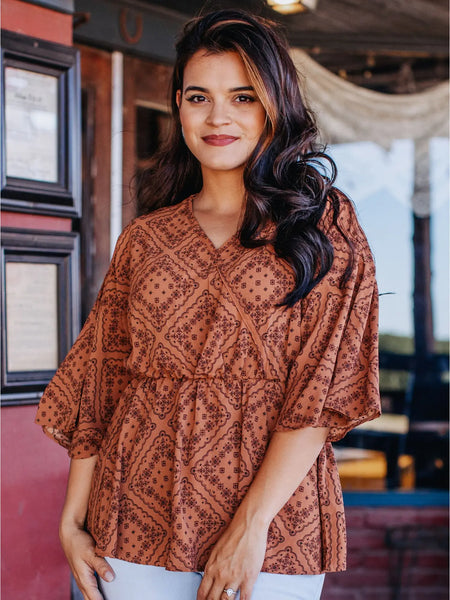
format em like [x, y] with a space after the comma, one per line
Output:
[62, 198]
[62, 250]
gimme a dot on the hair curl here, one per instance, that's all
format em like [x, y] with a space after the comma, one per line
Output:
[283, 177]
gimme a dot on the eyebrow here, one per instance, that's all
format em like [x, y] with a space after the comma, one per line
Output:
[244, 88]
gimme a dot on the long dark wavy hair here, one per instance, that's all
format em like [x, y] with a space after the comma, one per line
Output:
[285, 179]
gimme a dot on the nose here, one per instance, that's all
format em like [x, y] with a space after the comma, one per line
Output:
[219, 114]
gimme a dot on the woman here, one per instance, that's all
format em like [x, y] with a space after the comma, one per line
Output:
[234, 337]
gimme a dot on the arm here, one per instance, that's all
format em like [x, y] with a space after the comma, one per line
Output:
[237, 558]
[77, 544]
[76, 406]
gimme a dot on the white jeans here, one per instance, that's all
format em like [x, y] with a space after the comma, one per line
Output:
[145, 582]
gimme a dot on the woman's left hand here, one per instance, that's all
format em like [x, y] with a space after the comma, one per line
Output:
[235, 561]
[238, 556]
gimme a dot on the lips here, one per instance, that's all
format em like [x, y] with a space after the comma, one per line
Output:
[219, 140]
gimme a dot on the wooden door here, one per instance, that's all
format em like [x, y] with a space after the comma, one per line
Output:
[96, 170]
[145, 121]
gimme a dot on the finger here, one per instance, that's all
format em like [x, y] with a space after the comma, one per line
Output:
[205, 586]
[92, 594]
[90, 590]
[103, 569]
[246, 590]
[230, 596]
[217, 591]
[87, 583]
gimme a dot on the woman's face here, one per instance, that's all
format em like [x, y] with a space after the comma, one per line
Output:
[221, 116]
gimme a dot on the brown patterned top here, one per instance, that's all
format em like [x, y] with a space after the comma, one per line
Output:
[183, 370]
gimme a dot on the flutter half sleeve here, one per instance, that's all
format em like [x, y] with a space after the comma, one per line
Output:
[79, 401]
[333, 382]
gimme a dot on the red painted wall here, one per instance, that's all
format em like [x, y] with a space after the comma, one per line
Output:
[28, 221]
[34, 470]
[36, 21]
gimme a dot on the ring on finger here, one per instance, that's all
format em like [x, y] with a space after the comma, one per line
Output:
[229, 592]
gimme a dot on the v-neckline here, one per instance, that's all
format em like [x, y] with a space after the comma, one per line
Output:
[202, 232]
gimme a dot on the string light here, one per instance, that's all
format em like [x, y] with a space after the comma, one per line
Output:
[289, 7]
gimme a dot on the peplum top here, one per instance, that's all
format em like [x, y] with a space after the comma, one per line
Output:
[186, 366]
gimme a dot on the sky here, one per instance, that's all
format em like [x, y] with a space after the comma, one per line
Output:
[381, 182]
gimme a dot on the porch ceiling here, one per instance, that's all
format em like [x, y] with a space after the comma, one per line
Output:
[394, 46]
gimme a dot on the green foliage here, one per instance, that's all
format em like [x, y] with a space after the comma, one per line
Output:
[442, 346]
[393, 380]
[396, 343]
[398, 380]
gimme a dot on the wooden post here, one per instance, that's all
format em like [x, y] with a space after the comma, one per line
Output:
[423, 310]
[422, 302]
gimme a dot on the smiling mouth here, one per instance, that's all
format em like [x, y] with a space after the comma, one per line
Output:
[219, 140]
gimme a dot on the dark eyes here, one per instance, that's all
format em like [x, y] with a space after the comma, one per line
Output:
[241, 99]
[244, 98]
[196, 99]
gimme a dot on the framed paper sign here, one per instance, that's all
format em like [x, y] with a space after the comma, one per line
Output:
[31, 125]
[31, 316]
[40, 309]
[40, 126]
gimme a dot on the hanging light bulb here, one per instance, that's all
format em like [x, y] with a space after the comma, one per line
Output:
[289, 7]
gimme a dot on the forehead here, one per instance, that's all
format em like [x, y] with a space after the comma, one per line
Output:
[207, 70]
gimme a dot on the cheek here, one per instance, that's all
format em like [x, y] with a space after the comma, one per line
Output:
[183, 112]
[189, 130]
[259, 123]
[190, 123]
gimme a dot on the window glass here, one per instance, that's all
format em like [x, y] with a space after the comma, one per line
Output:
[151, 130]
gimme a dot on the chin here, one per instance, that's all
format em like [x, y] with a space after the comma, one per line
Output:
[227, 161]
[231, 164]
[224, 167]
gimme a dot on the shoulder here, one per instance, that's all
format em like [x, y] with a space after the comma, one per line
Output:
[353, 260]
[340, 220]
[162, 227]
[162, 216]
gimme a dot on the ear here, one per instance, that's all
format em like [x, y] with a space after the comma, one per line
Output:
[178, 98]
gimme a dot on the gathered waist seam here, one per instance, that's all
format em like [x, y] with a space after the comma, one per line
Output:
[204, 377]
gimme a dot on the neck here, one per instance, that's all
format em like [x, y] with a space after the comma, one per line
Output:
[222, 192]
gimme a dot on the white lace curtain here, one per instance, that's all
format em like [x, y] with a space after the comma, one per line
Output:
[349, 113]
